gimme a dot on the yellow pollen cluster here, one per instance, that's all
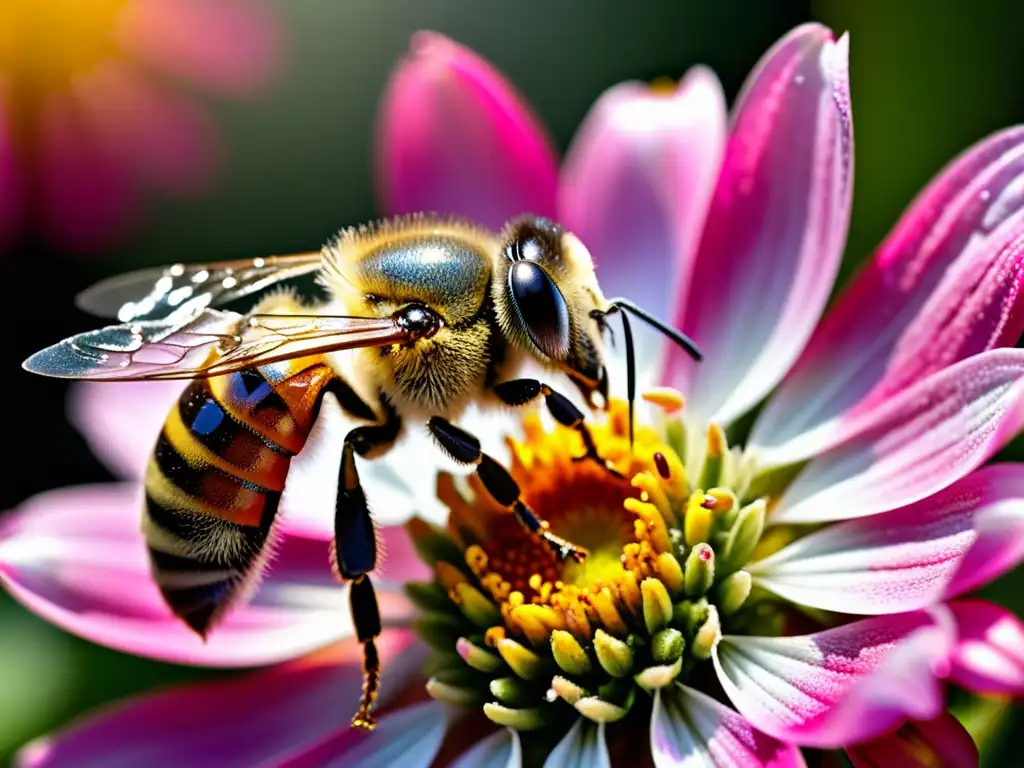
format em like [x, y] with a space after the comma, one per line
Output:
[623, 519]
[517, 629]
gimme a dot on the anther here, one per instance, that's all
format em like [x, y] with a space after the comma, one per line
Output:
[661, 463]
[668, 399]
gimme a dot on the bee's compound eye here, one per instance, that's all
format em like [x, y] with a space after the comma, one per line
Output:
[541, 307]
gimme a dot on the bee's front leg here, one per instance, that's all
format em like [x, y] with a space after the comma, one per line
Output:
[354, 551]
[522, 391]
[465, 449]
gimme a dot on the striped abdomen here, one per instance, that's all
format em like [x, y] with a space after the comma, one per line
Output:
[215, 479]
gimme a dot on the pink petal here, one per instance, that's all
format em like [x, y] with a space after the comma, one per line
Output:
[76, 557]
[638, 179]
[908, 558]
[409, 737]
[454, 136]
[842, 685]
[940, 741]
[123, 444]
[915, 444]
[776, 229]
[231, 46]
[999, 524]
[689, 729]
[155, 132]
[584, 746]
[989, 656]
[259, 718]
[943, 286]
[87, 196]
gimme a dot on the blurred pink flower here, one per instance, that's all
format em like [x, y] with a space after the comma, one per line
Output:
[888, 407]
[93, 113]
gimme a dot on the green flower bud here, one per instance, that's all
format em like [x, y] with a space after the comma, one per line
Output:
[479, 658]
[428, 595]
[613, 655]
[743, 537]
[477, 608]
[512, 691]
[706, 637]
[569, 654]
[657, 605]
[667, 646]
[733, 592]
[521, 719]
[699, 573]
[524, 662]
[599, 710]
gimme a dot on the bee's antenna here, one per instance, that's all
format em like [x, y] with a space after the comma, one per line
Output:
[627, 334]
[678, 337]
[684, 341]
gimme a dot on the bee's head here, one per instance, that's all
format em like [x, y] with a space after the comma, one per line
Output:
[550, 304]
[546, 298]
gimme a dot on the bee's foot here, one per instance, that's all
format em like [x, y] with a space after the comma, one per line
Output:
[364, 720]
[565, 549]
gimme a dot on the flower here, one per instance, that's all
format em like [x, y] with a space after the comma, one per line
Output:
[91, 113]
[789, 579]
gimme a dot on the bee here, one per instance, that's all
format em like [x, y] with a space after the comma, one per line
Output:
[424, 315]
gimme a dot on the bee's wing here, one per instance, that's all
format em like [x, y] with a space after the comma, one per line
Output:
[152, 294]
[209, 344]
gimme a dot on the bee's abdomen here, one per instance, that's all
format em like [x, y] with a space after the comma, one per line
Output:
[215, 479]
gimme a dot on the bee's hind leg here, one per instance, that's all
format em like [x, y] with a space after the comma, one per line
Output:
[354, 551]
[522, 391]
[465, 449]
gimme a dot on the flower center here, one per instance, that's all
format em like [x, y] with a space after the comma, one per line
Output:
[45, 43]
[523, 633]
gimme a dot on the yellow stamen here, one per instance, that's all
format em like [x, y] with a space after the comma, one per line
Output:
[604, 605]
[654, 523]
[633, 572]
[697, 523]
[670, 400]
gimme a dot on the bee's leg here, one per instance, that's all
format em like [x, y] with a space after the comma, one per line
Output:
[465, 449]
[522, 391]
[354, 552]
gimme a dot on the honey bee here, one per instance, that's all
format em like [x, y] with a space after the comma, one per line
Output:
[434, 313]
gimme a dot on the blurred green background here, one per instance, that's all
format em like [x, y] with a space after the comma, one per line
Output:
[927, 80]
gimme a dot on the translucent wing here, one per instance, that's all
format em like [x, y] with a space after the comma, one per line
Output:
[152, 294]
[209, 344]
